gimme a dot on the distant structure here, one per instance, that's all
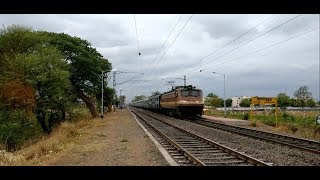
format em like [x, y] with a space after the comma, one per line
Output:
[237, 100]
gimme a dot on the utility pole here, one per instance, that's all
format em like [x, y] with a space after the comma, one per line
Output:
[185, 80]
[102, 94]
[114, 87]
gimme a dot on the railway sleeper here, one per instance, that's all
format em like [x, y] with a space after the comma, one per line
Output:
[179, 157]
[226, 162]
[214, 154]
[198, 152]
[195, 146]
[201, 149]
[216, 158]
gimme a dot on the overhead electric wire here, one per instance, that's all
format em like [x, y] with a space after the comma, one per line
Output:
[135, 23]
[275, 44]
[261, 36]
[252, 40]
[256, 37]
[173, 40]
[232, 41]
[147, 71]
[166, 39]
[172, 43]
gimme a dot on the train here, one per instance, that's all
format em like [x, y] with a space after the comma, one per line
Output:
[181, 102]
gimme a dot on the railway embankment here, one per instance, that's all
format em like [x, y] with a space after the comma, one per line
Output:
[115, 140]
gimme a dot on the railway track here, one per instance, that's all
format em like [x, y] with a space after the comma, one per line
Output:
[190, 149]
[300, 143]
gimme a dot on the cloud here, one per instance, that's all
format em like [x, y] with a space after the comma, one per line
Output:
[284, 67]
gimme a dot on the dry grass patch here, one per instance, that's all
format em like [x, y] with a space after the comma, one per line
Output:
[60, 139]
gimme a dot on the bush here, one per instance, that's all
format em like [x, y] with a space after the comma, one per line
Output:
[78, 113]
[16, 127]
[293, 128]
[246, 116]
[269, 120]
[14, 134]
[288, 118]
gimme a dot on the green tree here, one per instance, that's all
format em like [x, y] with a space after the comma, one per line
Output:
[303, 94]
[138, 98]
[85, 65]
[311, 103]
[122, 99]
[213, 100]
[228, 102]
[245, 102]
[283, 100]
[295, 102]
[33, 75]
[155, 93]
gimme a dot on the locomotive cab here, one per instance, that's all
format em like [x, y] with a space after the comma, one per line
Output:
[190, 101]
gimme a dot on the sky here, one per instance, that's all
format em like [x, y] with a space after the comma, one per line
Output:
[260, 54]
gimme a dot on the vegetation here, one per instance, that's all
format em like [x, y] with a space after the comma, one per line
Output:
[283, 100]
[138, 98]
[302, 95]
[213, 100]
[292, 121]
[85, 65]
[228, 102]
[155, 93]
[245, 102]
[300, 122]
[42, 75]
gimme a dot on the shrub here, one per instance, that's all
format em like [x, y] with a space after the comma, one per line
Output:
[288, 118]
[294, 129]
[246, 116]
[16, 128]
[269, 121]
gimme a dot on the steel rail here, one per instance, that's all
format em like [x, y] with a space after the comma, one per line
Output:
[225, 149]
[181, 149]
[300, 143]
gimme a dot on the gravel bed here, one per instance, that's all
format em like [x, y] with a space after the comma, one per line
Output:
[277, 154]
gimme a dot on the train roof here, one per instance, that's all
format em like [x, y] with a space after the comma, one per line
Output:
[147, 98]
[181, 87]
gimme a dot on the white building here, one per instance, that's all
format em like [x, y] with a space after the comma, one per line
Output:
[237, 100]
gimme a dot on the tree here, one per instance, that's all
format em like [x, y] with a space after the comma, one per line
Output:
[311, 103]
[245, 102]
[295, 102]
[85, 65]
[228, 102]
[35, 77]
[303, 94]
[213, 100]
[283, 100]
[122, 99]
[155, 93]
[138, 98]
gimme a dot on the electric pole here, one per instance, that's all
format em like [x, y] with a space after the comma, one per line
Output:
[102, 94]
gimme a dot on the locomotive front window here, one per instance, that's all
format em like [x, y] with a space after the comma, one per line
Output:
[193, 93]
[185, 93]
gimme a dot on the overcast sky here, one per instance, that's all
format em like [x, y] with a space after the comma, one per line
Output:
[283, 67]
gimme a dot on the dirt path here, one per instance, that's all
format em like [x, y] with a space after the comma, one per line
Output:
[116, 140]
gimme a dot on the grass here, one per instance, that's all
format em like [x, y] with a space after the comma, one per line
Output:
[300, 123]
[60, 139]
